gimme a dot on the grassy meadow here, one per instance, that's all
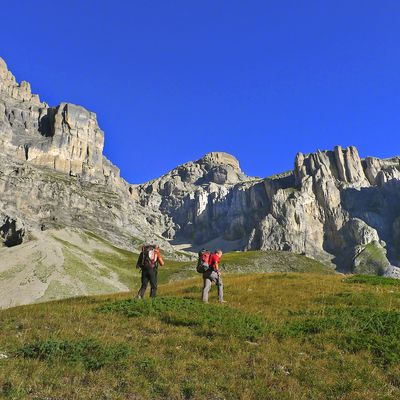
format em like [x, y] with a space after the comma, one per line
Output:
[279, 336]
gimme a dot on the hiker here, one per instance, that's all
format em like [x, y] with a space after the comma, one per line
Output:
[149, 260]
[213, 274]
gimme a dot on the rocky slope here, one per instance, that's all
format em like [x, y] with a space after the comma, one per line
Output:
[63, 263]
[332, 206]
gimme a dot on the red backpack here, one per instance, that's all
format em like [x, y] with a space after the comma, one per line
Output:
[203, 262]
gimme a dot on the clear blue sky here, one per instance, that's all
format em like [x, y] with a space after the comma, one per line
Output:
[173, 80]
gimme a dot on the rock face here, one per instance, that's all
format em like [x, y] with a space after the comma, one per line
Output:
[66, 138]
[332, 206]
[338, 206]
[206, 199]
[53, 172]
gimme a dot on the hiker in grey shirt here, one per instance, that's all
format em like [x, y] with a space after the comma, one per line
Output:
[213, 274]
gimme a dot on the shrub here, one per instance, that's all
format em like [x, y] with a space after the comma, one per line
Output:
[90, 353]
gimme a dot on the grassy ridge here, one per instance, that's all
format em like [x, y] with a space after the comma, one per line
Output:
[280, 336]
[272, 261]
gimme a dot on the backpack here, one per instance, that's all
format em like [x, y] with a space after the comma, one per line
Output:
[203, 261]
[149, 257]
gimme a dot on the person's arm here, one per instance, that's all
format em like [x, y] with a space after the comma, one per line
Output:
[217, 260]
[160, 259]
[140, 260]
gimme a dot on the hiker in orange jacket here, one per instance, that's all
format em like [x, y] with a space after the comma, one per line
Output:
[213, 274]
[149, 260]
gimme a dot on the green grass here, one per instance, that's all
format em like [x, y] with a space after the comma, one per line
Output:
[372, 260]
[272, 261]
[58, 290]
[209, 321]
[138, 243]
[120, 263]
[78, 270]
[109, 259]
[176, 270]
[352, 329]
[123, 263]
[91, 354]
[280, 336]
[373, 280]
[42, 271]
[247, 262]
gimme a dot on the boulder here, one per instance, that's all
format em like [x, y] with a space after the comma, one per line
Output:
[12, 231]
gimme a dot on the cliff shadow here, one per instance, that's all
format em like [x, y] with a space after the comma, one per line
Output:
[46, 123]
[378, 207]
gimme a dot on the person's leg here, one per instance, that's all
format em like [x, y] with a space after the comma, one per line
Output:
[153, 282]
[206, 288]
[145, 281]
[220, 289]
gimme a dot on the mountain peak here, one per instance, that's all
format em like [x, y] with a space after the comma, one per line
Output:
[221, 158]
[5, 75]
[10, 87]
[3, 65]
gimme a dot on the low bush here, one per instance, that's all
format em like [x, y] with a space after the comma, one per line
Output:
[90, 353]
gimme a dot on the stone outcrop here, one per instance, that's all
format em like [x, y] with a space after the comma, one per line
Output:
[66, 138]
[73, 142]
[333, 206]
[12, 231]
[19, 92]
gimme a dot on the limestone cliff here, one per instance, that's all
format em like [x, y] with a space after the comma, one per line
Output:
[332, 210]
[333, 206]
[53, 172]
[66, 138]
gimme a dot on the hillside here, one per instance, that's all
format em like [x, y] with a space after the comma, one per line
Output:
[62, 263]
[280, 336]
[272, 261]
[56, 264]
